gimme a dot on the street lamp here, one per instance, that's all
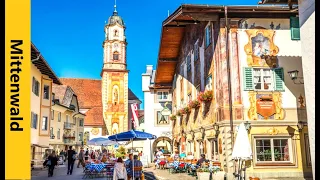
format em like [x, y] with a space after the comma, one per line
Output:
[216, 128]
[294, 76]
[247, 125]
[300, 126]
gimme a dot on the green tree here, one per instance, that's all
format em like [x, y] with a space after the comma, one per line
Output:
[121, 152]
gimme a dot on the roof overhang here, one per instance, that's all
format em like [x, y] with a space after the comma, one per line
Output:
[173, 30]
[38, 60]
[278, 2]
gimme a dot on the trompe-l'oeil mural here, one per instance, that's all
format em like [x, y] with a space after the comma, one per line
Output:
[260, 50]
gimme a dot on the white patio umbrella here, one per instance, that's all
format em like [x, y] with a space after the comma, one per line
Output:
[101, 141]
[242, 149]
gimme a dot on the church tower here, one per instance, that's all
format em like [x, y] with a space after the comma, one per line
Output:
[115, 76]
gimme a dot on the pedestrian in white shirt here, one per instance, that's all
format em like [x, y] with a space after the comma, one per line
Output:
[119, 172]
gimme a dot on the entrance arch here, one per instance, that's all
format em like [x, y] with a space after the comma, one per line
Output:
[164, 142]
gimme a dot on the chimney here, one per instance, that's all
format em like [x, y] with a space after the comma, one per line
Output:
[149, 69]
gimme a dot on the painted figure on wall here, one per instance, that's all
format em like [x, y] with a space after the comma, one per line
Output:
[260, 45]
[115, 128]
[115, 98]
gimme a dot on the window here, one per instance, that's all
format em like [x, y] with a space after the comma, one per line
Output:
[80, 136]
[74, 134]
[162, 95]
[67, 118]
[273, 150]
[44, 126]
[51, 133]
[295, 28]
[201, 148]
[307, 149]
[46, 92]
[34, 120]
[188, 63]
[262, 79]
[214, 150]
[75, 121]
[35, 86]
[162, 119]
[59, 116]
[209, 82]
[81, 122]
[196, 51]
[58, 134]
[115, 55]
[52, 114]
[116, 33]
[208, 35]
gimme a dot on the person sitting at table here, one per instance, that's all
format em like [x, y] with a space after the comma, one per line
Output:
[127, 165]
[104, 158]
[136, 164]
[175, 156]
[119, 171]
[183, 155]
[202, 160]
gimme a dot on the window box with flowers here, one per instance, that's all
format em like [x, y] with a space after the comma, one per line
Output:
[179, 113]
[173, 117]
[205, 96]
[194, 104]
[186, 110]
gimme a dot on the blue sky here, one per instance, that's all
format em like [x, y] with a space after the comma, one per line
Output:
[69, 34]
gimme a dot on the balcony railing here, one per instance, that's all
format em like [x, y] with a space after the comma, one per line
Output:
[68, 140]
[68, 125]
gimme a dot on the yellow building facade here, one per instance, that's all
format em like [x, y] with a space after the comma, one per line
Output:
[67, 123]
[41, 80]
[260, 90]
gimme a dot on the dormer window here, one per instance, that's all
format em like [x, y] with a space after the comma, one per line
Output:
[115, 55]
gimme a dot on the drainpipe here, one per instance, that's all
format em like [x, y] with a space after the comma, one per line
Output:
[229, 73]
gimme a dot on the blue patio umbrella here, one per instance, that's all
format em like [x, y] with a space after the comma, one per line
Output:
[132, 135]
[101, 141]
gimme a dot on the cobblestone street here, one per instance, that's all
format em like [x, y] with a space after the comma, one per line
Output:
[60, 173]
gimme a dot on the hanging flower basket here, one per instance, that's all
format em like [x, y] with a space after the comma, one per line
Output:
[205, 96]
[173, 117]
[194, 104]
[179, 113]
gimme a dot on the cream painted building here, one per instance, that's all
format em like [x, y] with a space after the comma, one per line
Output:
[67, 122]
[41, 80]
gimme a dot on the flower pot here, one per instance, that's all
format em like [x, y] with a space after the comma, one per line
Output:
[254, 178]
[203, 175]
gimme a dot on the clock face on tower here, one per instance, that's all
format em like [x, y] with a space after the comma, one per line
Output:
[115, 45]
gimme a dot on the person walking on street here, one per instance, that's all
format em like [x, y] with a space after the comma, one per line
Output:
[132, 165]
[119, 172]
[71, 159]
[52, 162]
[80, 158]
[86, 157]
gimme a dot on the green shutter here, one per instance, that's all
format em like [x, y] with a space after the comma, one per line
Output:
[278, 79]
[295, 28]
[247, 79]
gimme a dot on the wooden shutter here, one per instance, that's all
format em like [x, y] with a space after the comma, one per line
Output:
[295, 28]
[278, 79]
[247, 79]
[205, 146]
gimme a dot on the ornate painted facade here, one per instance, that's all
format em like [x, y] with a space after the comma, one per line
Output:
[237, 74]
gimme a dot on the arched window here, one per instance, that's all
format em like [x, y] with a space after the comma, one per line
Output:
[115, 55]
[116, 33]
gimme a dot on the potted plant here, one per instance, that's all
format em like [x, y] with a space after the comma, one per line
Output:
[179, 113]
[173, 117]
[203, 173]
[186, 110]
[205, 96]
[194, 104]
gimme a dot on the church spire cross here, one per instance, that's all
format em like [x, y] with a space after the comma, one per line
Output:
[115, 6]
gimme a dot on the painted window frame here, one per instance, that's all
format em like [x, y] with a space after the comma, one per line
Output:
[59, 116]
[208, 34]
[162, 95]
[307, 150]
[44, 123]
[115, 56]
[51, 133]
[34, 120]
[58, 133]
[46, 92]
[52, 114]
[262, 77]
[35, 86]
[291, 147]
